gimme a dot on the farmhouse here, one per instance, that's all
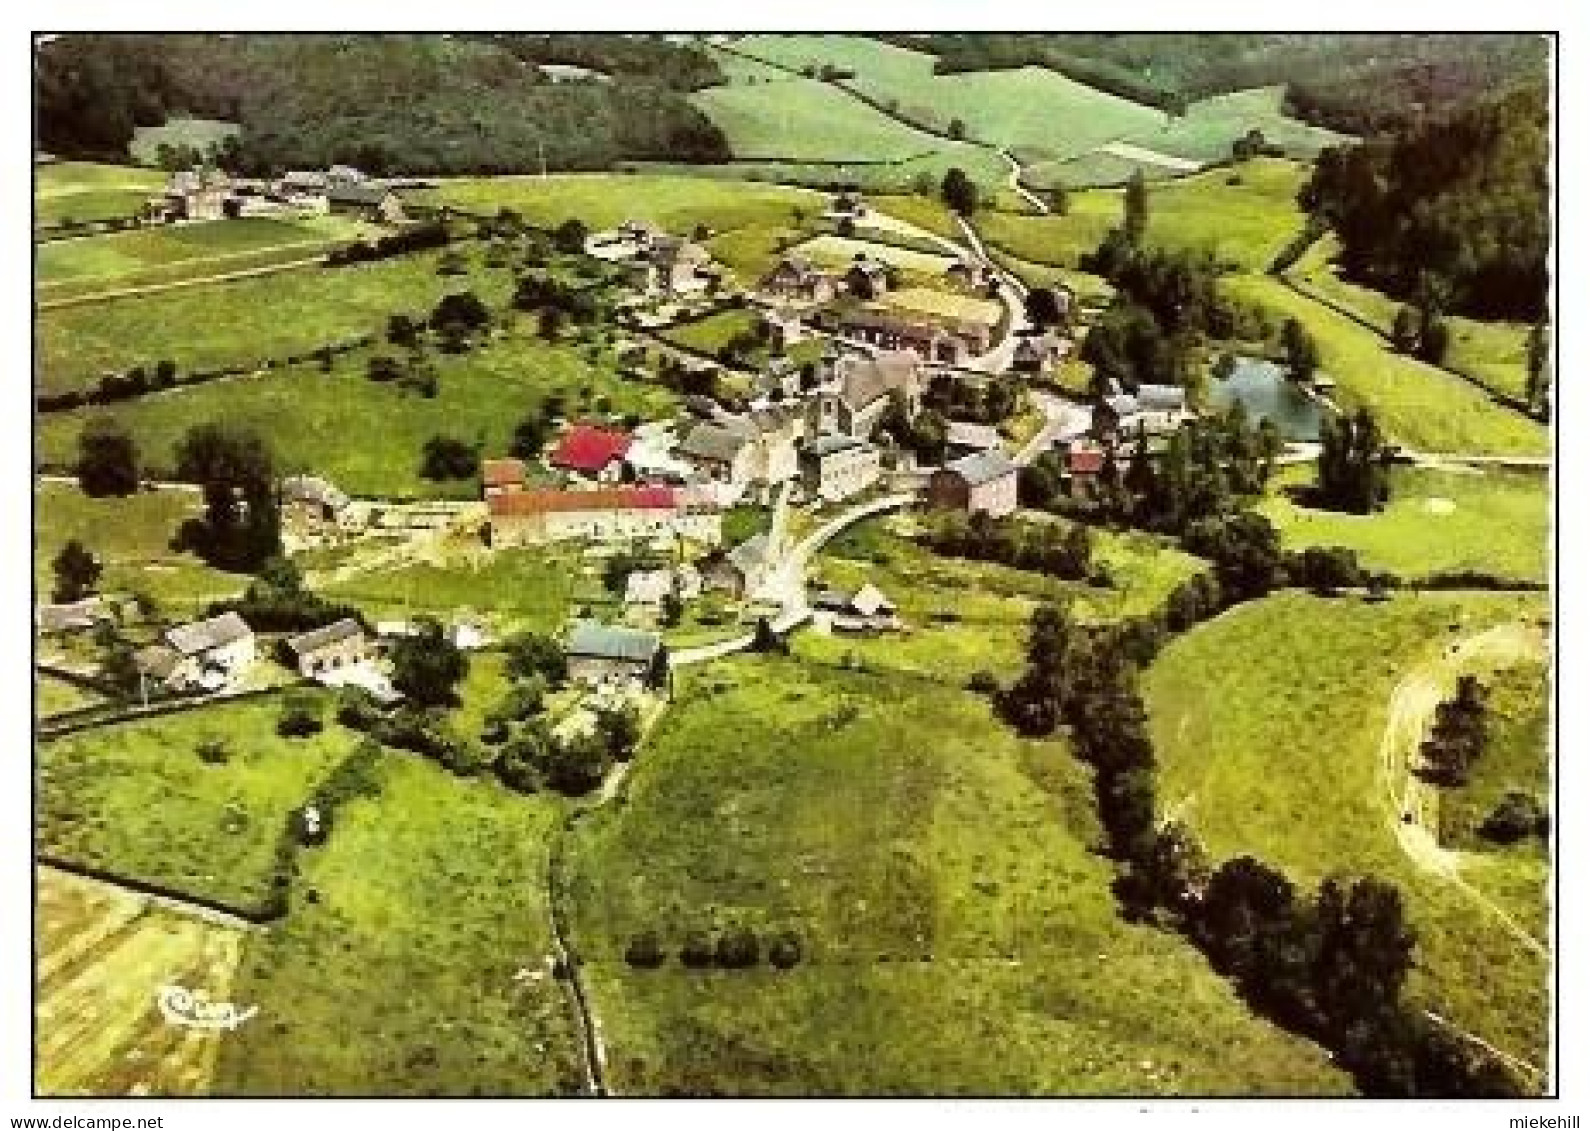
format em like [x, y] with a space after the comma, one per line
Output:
[207, 654]
[796, 279]
[604, 655]
[673, 265]
[965, 437]
[718, 453]
[608, 514]
[756, 448]
[499, 476]
[371, 200]
[647, 588]
[323, 651]
[310, 500]
[1161, 408]
[194, 194]
[1083, 467]
[836, 467]
[866, 610]
[969, 273]
[744, 570]
[1036, 352]
[70, 617]
[592, 452]
[866, 278]
[984, 483]
[858, 390]
[898, 330]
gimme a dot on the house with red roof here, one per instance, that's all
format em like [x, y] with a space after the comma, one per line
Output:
[1083, 465]
[592, 452]
[605, 514]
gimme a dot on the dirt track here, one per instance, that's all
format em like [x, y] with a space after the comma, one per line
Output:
[1414, 805]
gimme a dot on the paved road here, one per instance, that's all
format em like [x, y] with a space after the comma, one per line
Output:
[1063, 420]
[787, 585]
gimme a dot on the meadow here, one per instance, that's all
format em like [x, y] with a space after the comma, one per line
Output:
[368, 436]
[413, 958]
[132, 539]
[244, 321]
[1205, 132]
[1419, 405]
[946, 891]
[136, 800]
[1243, 216]
[1438, 521]
[103, 954]
[1516, 757]
[1267, 726]
[966, 617]
[803, 119]
[81, 191]
[710, 334]
[1490, 353]
[71, 269]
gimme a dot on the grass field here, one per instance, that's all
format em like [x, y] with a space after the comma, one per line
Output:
[965, 617]
[1267, 724]
[806, 120]
[132, 539]
[840, 251]
[1437, 521]
[1206, 131]
[1244, 223]
[1096, 169]
[1492, 353]
[936, 871]
[516, 589]
[153, 256]
[136, 799]
[1417, 404]
[103, 956]
[202, 134]
[53, 696]
[709, 334]
[244, 321]
[1029, 108]
[605, 200]
[368, 436]
[398, 967]
[82, 191]
[1516, 757]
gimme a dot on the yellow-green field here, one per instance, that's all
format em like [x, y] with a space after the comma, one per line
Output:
[82, 191]
[1268, 724]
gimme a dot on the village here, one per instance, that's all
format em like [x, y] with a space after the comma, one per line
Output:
[812, 446]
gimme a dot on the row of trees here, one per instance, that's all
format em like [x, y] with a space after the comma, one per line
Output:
[1063, 550]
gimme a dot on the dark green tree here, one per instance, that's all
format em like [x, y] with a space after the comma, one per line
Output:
[76, 572]
[427, 666]
[233, 465]
[107, 459]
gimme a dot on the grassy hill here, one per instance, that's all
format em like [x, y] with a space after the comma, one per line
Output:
[1281, 762]
[957, 935]
[83, 190]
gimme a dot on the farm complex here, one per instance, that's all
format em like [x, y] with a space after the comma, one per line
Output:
[791, 565]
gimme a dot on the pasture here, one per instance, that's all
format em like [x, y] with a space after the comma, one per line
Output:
[1438, 521]
[710, 334]
[149, 257]
[946, 890]
[80, 191]
[244, 321]
[803, 119]
[132, 538]
[1205, 132]
[1417, 404]
[368, 436]
[103, 956]
[1242, 216]
[136, 800]
[413, 959]
[1267, 723]
[1490, 353]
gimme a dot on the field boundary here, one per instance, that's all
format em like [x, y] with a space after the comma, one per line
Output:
[199, 906]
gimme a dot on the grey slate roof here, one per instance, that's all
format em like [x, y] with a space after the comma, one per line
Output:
[965, 434]
[865, 380]
[157, 660]
[612, 642]
[1162, 398]
[713, 442]
[749, 554]
[368, 193]
[317, 638]
[205, 635]
[829, 443]
[982, 467]
[1123, 405]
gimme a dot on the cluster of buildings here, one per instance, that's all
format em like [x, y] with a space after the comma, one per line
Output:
[658, 263]
[208, 193]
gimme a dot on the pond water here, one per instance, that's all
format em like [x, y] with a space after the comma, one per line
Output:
[1263, 388]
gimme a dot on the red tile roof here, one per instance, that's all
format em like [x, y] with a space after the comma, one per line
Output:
[614, 499]
[587, 448]
[502, 472]
[1085, 462]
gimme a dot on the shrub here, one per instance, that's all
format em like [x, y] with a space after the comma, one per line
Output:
[645, 952]
[214, 752]
[697, 951]
[300, 718]
[785, 950]
[982, 683]
[738, 949]
[1517, 816]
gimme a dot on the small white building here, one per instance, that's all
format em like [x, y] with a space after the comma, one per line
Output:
[208, 654]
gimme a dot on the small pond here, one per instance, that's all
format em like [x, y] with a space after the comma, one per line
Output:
[1263, 388]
